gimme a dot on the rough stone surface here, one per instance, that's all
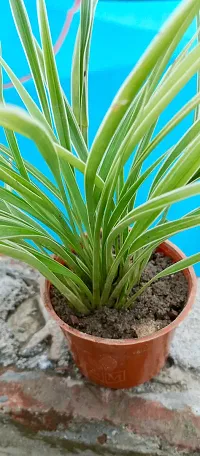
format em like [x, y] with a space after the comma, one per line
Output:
[185, 348]
[75, 410]
[55, 403]
[58, 349]
[17, 283]
[29, 338]
[15, 441]
[25, 321]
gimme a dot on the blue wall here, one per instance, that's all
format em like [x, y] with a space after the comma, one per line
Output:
[122, 31]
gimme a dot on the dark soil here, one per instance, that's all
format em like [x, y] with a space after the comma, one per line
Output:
[156, 308]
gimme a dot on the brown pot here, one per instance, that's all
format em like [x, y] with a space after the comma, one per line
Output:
[124, 363]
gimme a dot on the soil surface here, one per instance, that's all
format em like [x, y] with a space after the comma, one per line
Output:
[156, 308]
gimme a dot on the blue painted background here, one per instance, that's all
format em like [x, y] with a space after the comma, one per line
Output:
[121, 33]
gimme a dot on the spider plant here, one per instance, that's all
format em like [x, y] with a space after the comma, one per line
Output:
[90, 233]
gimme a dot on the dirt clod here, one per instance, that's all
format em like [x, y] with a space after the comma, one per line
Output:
[102, 439]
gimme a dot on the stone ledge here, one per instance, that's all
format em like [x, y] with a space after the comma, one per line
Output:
[65, 407]
[42, 390]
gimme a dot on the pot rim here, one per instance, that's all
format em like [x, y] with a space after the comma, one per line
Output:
[191, 278]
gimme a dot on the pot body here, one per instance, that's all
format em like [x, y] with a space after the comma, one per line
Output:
[129, 362]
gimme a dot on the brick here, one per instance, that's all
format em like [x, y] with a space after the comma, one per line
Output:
[46, 402]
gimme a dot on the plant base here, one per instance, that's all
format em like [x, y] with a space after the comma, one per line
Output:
[129, 362]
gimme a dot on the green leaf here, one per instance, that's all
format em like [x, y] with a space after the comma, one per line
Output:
[134, 82]
[192, 133]
[76, 162]
[23, 26]
[173, 269]
[174, 121]
[14, 251]
[161, 99]
[18, 120]
[75, 133]
[153, 109]
[35, 173]
[9, 212]
[164, 231]
[12, 141]
[75, 195]
[10, 136]
[157, 103]
[184, 167]
[79, 85]
[25, 97]
[124, 201]
[197, 111]
[122, 130]
[16, 230]
[142, 212]
[54, 87]
[158, 202]
[40, 217]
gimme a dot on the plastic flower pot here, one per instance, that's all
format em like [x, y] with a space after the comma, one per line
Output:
[124, 363]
